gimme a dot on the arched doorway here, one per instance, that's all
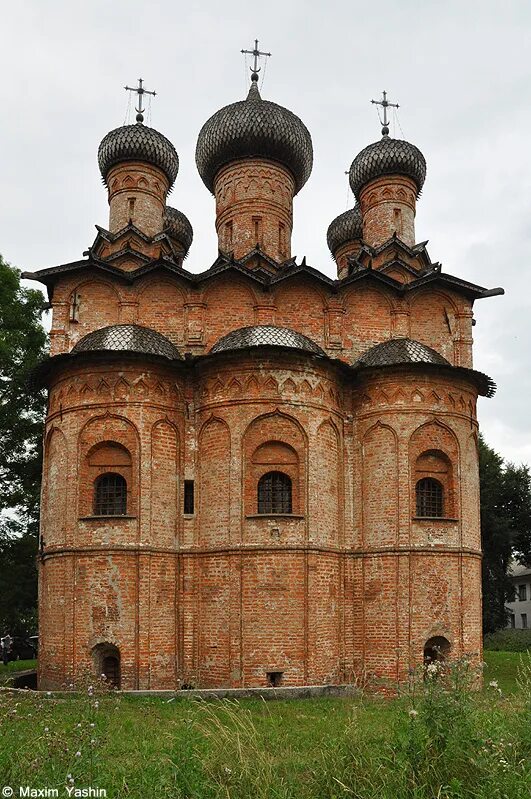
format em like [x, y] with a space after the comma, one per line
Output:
[106, 659]
[436, 649]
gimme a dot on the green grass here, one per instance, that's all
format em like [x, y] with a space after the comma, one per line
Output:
[9, 671]
[456, 744]
[503, 667]
[508, 640]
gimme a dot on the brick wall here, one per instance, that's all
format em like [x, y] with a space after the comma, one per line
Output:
[345, 323]
[349, 585]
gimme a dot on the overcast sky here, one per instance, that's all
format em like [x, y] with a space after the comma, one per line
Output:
[461, 72]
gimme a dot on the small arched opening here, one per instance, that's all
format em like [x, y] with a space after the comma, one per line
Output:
[106, 659]
[436, 650]
[434, 486]
[274, 493]
[110, 495]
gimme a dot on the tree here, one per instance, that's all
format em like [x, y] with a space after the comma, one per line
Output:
[22, 408]
[505, 530]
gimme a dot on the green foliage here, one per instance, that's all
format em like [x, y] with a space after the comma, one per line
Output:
[456, 744]
[22, 346]
[508, 640]
[505, 530]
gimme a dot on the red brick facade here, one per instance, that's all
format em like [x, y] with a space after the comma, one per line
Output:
[350, 583]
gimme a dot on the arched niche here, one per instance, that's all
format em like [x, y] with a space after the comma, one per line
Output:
[107, 663]
[301, 307]
[434, 453]
[87, 300]
[436, 650]
[108, 444]
[161, 307]
[274, 442]
[434, 321]
[214, 482]
[229, 305]
[368, 318]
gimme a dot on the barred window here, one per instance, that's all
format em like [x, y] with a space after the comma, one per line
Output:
[110, 495]
[429, 498]
[274, 493]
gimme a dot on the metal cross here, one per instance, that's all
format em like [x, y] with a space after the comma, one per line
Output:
[384, 102]
[255, 69]
[140, 91]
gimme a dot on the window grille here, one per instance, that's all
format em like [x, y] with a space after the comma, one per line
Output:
[429, 498]
[110, 496]
[274, 493]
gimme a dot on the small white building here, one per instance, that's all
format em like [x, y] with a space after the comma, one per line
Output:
[520, 609]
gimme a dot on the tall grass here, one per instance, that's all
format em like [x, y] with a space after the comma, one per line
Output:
[438, 740]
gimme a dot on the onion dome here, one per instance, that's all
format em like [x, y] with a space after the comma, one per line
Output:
[345, 228]
[178, 226]
[254, 128]
[127, 338]
[387, 157]
[401, 351]
[138, 143]
[265, 336]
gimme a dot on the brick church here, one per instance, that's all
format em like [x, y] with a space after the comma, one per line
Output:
[257, 474]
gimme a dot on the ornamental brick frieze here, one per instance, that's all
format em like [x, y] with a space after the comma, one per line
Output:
[111, 387]
[263, 386]
[411, 398]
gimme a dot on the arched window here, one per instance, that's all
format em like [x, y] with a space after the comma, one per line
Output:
[430, 498]
[110, 495]
[274, 493]
[106, 659]
[436, 649]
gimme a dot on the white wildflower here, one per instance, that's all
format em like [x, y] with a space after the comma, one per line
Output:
[413, 714]
[493, 684]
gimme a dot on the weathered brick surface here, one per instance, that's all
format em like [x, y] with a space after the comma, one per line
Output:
[137, 194]
[254, 205]
[348, 586]
[388, 206]
[345, 323]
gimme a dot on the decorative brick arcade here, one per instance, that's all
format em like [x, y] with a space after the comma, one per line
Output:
[257, 475]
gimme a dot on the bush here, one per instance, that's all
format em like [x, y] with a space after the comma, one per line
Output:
[508, 641]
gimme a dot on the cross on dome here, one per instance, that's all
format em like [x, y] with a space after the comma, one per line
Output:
[256, 53]
[140, 91]
[384, 102]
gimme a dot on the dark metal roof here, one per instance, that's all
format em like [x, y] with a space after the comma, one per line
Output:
[406, 351]
[127, 338]
[254, 128]
[138, 143]
[263, 336]
[344, 228]
[387, 157]
[401, 350]
[177, 225]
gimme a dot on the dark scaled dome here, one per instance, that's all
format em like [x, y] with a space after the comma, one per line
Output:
[178, 226]
[401, 350]
[263, 336]
[254, 128]
[344, 228]
[138, 143]
[387, 157]
[127, 338]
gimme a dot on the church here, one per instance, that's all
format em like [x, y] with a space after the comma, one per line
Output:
[256, 474]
